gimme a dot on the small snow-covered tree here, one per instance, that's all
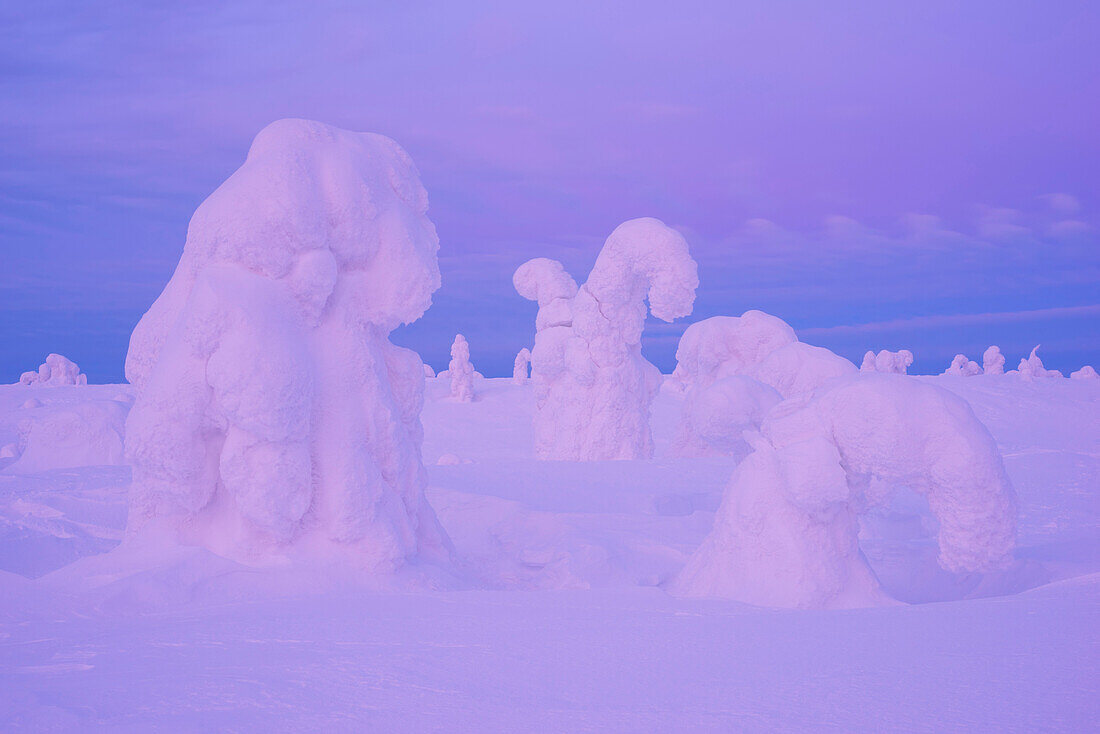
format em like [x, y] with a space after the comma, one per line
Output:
[1085, 373]
[961, 366]
[272, 409]
[520, 366]
[787, 532]
[1031, 367]
[593, 387]
[993, 362]
[461, 370]
[55, 371]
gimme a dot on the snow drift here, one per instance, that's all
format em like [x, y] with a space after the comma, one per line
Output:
[86, 433]
[272, 411]
[787, 533]
[593, 388]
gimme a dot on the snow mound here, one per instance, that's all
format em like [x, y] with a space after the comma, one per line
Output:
[461, 371]
[787, 533]
[521, 366]
[1031, 367]
[56, 370]
[272, 414]
[962, 366]
[1085, 373]
[993, 362]
[895, 363]
[88, 433]
[593, 388]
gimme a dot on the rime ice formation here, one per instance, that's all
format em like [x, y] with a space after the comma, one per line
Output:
[756, 345]
[787, 533]
[461, 370]
[56, 370]
[1031, 367]
[428, 371]
[1085, 373]
[961, 366]
[273, 416]
[800, 369]
[593, 388]
[728, 345]
[896, 363]
[714, 417]
[87, 433]
[520, 367]
[993, 362]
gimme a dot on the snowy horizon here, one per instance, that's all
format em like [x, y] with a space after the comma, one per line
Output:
[876, 179]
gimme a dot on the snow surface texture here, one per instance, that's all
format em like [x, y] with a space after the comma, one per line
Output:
[896, 363]
[570, 560]
[961, 366]
[56, 370]
[734, 369]
[1032, 368]
[786, 534]
[272, 413]
[593, 387]
[1085, 373]
[87, 433]
[461, 371]
[993, 362]
[521, 366]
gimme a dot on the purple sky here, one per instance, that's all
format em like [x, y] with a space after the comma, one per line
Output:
[881, 175]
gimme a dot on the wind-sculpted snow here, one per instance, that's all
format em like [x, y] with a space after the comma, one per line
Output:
[56, 370]
[993, 362]
[461, 370]
[593, 388]
[893, 363]
[754, 345]
[787, 532]
[521, 366]
[272, 410]
[962, 366]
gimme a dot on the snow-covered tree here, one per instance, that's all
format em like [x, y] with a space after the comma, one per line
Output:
[461, 370]
[520, 366]
[993, 362]
[55, 371]
[271, 406]
[962, 366]
[593, 388]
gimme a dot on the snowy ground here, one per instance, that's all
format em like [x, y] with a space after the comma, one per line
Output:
[558, 621]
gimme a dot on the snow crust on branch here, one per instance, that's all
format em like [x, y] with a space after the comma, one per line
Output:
[55, 371]
[593, 388]
[272, 412]
[786, 533]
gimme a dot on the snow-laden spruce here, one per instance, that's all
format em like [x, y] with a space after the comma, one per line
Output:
[786, 534]
[893, 363]
[272, 411]
[461, 370]
[962, 366]
[993, 362]
[521, 366]
[593, 388]
[1088, 372]
[56, 371]
[1032, 368]
[733, 370]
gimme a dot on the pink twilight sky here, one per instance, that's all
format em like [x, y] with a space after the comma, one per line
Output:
[881, 175]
